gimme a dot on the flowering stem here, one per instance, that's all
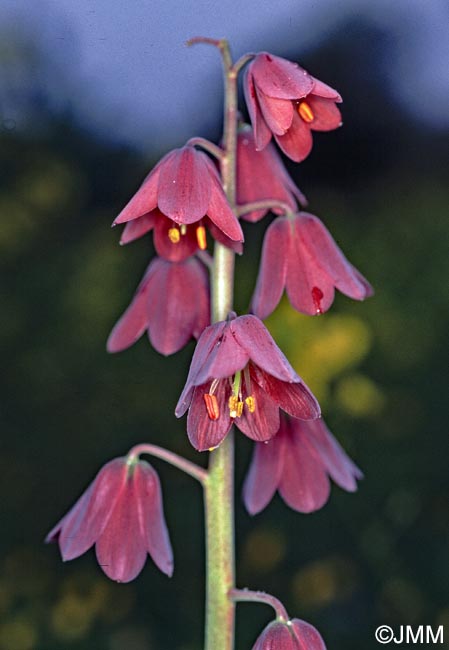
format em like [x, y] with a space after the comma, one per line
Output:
[248, 596]
[219, 484]
[170, 457]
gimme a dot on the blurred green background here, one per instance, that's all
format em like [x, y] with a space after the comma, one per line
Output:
[379, 556]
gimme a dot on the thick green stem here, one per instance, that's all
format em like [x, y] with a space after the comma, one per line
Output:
[219, 500]
[219, 485]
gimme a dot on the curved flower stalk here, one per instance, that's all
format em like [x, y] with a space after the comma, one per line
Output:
[285, 101]
[297, 463]
[300, 256]
[262, 175]
[184, 189]
[121, 513]
[239, 376]
[171, 303]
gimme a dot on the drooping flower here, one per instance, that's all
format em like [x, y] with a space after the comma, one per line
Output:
[285, 101]
[289, 635]
[297, 463]
[121, 513]
[179, 198]
[171, 303]
[300, 255]
[239, 375]
[261, 175]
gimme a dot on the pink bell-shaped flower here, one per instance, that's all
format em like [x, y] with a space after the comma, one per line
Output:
[171, 303]
[297, 463]
[300, 256]
[121, 513]
[239, 375]
[289, 635]
[261, 175]
[285, 101]
[179, 198]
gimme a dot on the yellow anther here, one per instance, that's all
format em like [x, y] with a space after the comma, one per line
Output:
[250, 402]
[183, 229]
[235, 407]
[306, 112]
[201, 238]
[174, 235]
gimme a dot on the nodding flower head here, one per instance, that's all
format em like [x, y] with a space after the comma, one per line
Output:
[121, 513]
[181, 198]
[300, 256]
[298, 463]
[285, 101]
[238, 375]
[171, 303]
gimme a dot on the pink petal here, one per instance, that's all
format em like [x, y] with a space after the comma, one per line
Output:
[326, 115]
[178, 252]
[207, 341]
[151, 516]
[133, 323]
[273, 268]
[219, 211]
[277, 113]
[307, 636]
[280, 78]
[338, 464]
[304, 484]
[84, 523]
[204, 433]
[322, 248]
[323, 90]
[284, 176]
[261, 175]
[254, 338]
[219, 236]
[202, 299]
[276, 636]
[184, 188]
[263, 423]
[225, 358]
[296, 399]
[309, 289]
[262, 134]
[138, 227]
[145, 199]
[173, 296]
[121, 548]
[264, 474]
[297, 142]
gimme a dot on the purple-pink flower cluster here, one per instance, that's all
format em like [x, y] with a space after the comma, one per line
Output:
[238, 375]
